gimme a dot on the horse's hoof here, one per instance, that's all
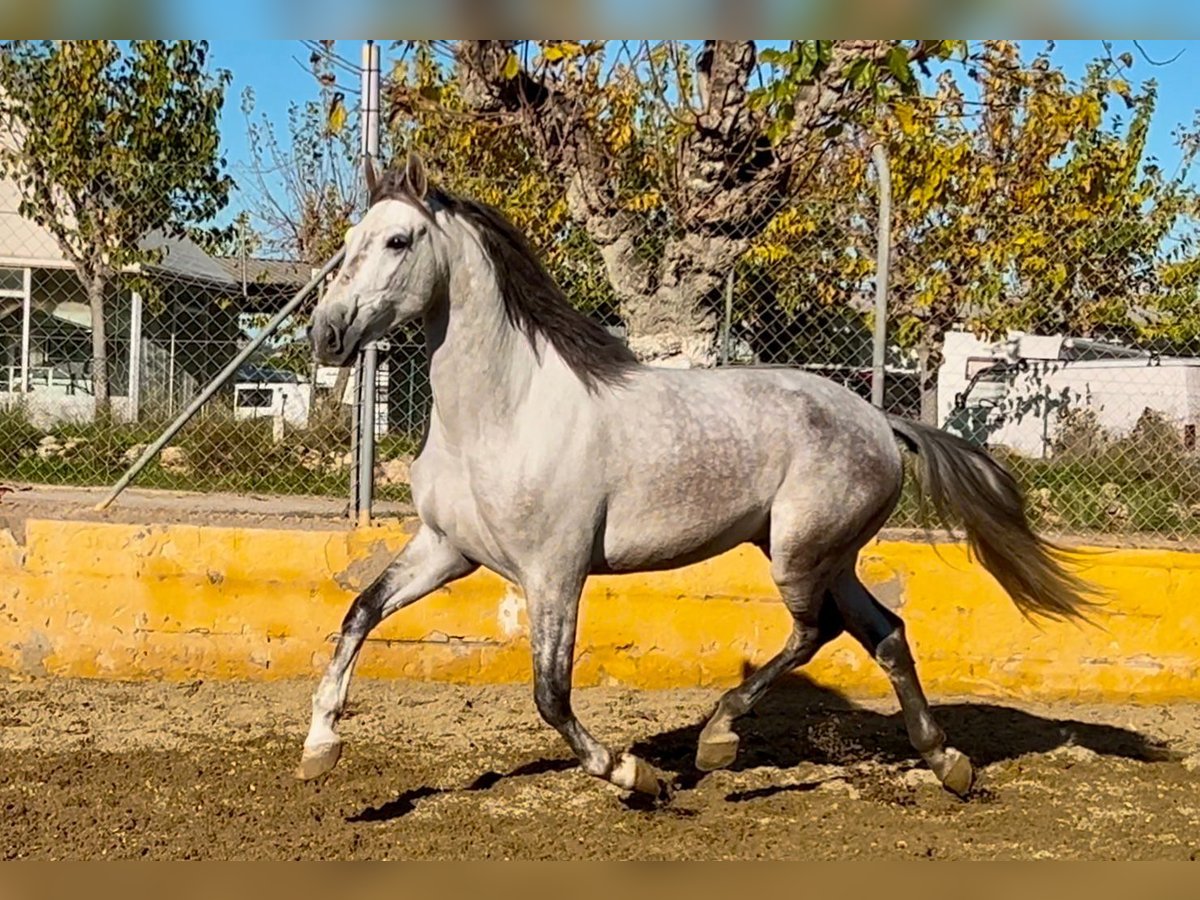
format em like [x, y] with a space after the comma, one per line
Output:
[716, 752]
[316, 761]
[636, 775]
[955, 771]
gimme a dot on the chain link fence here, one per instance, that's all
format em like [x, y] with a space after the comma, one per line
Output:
[1088, 386]
[76, 411]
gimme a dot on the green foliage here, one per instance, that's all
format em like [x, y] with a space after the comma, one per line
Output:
[1144, 482]
[112, 146]
[107, 148]
[221, 453]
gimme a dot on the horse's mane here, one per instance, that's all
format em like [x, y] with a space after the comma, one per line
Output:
[533, 301]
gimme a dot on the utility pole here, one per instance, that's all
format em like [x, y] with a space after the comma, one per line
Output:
[362, 478]
[884, 251]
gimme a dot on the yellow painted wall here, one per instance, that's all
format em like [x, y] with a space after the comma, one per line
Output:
[182, 602]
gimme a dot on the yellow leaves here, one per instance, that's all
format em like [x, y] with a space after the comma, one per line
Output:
[1034, 264]
[768, 253]
[561, 50]
[620, 136]
[336, 119]
[1120, 87]
[644, 201]
[904, 115]
[512, 66]
[790, 224]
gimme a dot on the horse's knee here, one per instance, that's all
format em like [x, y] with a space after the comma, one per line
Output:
[364, 613]
[892, 652]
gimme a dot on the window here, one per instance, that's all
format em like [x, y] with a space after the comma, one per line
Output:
[12, 282]
[254, 398]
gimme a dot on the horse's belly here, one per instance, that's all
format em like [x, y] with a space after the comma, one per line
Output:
[660, 538]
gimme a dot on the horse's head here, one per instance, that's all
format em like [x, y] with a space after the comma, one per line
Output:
[391, 273]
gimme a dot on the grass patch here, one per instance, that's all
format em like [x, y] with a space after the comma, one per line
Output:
[211, 453]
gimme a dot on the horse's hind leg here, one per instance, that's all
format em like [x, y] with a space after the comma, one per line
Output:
[425, 564]
[816, 621]
[881, 632]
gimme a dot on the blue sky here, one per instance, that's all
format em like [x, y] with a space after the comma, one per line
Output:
[277, 70]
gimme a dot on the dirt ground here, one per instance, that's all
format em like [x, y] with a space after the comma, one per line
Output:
[105, 770]
[19, 502]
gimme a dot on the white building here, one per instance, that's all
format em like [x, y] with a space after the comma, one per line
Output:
[1013, 392]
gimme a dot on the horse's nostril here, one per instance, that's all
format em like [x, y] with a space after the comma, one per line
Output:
[326, 339]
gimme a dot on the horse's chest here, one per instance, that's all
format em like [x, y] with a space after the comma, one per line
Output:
[478, 515]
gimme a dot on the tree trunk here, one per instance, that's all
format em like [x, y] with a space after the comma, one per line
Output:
[672, 308]
[927, 382]
[96, 286]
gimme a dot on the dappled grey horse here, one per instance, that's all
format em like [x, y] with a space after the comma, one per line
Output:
[551, 453]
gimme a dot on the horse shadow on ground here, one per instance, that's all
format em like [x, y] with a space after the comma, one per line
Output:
[799, 721]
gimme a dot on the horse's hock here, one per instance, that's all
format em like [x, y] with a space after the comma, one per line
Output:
[181, 602]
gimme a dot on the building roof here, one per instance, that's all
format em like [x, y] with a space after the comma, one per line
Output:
[25, 243]
[186, 259]
[268, 272]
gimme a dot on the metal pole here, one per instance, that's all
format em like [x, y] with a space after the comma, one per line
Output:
[355, 429]
[368, 359]
[171, 371]
[879, 357]
[366, 445]
[26, 326]
[215, 385]
[135, 356]
[728, 326]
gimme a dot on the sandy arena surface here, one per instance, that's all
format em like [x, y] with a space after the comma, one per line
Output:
[118, 770]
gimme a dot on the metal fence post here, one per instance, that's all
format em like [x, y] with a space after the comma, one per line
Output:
[363, 448]
[883, 257]
[727, 325]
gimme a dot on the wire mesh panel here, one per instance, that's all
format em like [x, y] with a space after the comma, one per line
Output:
[1093, 399]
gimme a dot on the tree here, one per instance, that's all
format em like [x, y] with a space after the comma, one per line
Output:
[671, 161]
[1034, 208]
[486, 158]
[108, 147]
[305, 187]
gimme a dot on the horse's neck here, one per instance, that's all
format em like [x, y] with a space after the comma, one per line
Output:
[480, 367]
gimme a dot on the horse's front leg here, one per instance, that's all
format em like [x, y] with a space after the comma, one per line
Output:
[553, 605]
[425, 564]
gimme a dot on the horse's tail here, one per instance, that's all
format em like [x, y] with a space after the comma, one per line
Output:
[968, 487]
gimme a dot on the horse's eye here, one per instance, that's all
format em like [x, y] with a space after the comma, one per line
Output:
[399, 242]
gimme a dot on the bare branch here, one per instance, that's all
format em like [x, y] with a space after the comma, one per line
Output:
[1146, 56]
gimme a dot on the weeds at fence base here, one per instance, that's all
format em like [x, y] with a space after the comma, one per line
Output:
[215, 452]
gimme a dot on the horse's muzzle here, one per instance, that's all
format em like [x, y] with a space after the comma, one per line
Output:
[329, 333]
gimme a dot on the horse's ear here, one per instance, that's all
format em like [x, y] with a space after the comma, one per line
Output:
[371, 175]
[414, 176]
